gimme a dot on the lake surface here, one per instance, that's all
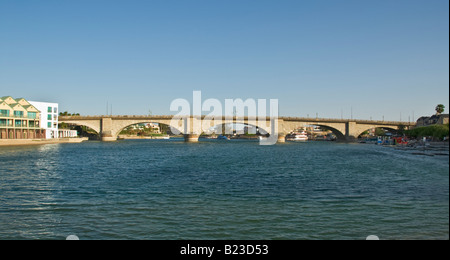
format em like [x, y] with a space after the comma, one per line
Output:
[221, 190]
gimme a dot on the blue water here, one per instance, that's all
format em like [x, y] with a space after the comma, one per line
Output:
[221, 190]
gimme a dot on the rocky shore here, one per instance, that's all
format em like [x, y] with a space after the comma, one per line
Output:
[426, 148]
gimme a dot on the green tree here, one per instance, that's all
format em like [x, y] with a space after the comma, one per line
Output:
[68, 114]
[401, 129]
[436, 131]
[440, 109]
[379, 132]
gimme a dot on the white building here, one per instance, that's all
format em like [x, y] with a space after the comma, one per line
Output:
[49, 117]
[67, 133]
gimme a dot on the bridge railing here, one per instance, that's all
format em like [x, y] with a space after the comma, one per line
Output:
[301, 119]
[334, 120]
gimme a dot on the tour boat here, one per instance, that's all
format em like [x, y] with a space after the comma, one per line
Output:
[298, 136]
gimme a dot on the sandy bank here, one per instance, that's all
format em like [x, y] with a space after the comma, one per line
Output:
[20, 142]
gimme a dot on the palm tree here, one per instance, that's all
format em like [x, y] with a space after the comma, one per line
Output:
[440, 109]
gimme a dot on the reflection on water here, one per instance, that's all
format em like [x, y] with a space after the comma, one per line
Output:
[221, 190]
[28, 189]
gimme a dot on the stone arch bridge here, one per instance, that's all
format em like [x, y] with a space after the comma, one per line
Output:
[109, 127]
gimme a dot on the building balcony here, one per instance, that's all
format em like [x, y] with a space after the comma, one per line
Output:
[13, 126]
[19, 117]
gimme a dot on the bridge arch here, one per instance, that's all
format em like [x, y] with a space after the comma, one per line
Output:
[94, 125]
[338, 129]
[339, 135]
[119, 127]
[262, 129]
[391, 129]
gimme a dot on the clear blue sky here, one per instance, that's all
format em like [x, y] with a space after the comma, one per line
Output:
[382, 57]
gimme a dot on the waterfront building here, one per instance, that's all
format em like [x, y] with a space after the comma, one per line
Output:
[49, 118]
[154, 127]
[19, 119]
[438, 119]
[67, 133]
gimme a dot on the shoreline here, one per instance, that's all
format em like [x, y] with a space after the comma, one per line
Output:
[27, 142]
[135, 137]
[427, 149]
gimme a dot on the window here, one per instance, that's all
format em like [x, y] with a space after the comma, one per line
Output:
[18, 113]
[4, 112]
[55, 110]
[49, 109]
[49, 125]
[49, 117]
[32, 115]
[18, 123]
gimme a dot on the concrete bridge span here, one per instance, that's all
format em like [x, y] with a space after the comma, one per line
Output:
[109, 127]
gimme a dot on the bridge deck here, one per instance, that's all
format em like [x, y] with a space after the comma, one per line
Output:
[288, 119]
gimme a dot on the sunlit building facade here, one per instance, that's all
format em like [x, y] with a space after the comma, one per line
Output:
[19, 119]
[49, 118]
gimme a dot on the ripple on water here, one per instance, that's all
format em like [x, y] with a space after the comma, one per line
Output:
[221, 190]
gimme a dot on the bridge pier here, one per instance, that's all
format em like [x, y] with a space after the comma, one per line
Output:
[351, 139]
[281, 138]
[106, 130]
[191, 138]
[108, 138]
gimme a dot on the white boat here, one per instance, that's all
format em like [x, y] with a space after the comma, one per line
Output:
[302, 136]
